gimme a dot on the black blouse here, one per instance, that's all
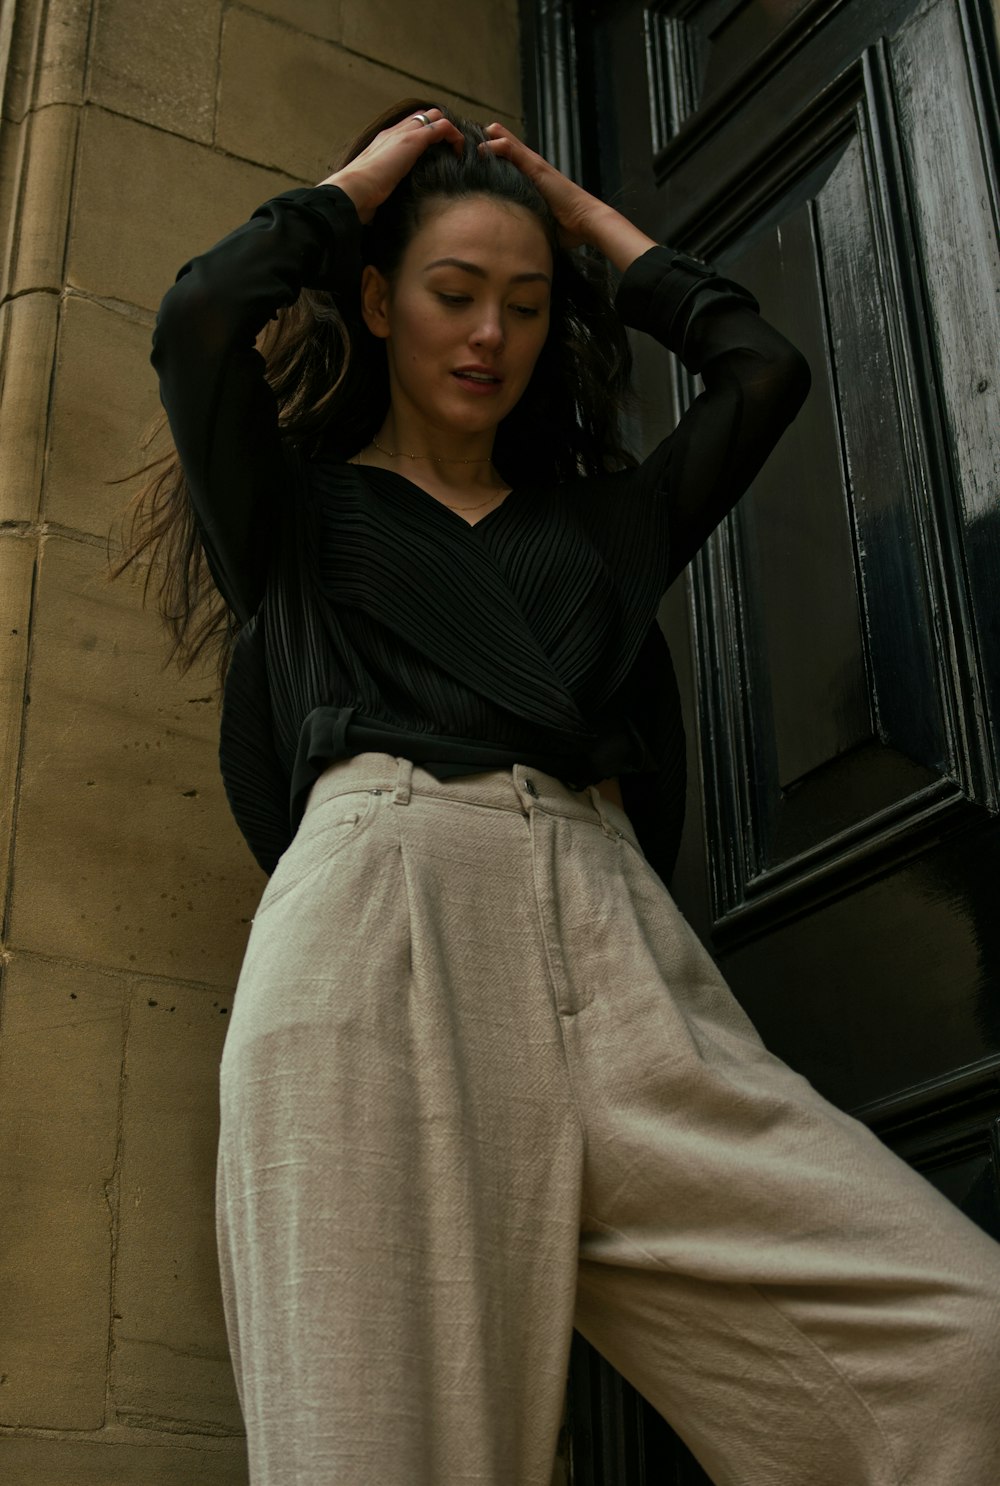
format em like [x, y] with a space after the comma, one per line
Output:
[376, 618]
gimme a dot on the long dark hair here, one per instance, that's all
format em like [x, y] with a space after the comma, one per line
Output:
[329, 377]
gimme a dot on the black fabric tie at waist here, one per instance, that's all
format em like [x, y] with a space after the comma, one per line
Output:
[332, 733]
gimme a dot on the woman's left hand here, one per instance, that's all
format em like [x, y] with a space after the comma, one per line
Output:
[574, 208]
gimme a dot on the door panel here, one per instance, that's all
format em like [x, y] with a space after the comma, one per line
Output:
[844, 696]
[837, 641]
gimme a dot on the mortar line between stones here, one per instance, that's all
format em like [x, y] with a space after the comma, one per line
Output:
[199, 144]
[22, 733]
[217, 90]
[426, 82]
[41, 108]
[341, 46]
[138, 979]
[88, 60]
[112, 1196]
[115, 1437]
[30, 289]
[270, 166]
[41, 529]
[127, 309]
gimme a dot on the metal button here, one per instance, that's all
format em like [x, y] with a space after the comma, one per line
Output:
[529, 785]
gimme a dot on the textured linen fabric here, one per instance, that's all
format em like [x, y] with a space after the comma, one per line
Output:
[375, 617]
[481, 1082]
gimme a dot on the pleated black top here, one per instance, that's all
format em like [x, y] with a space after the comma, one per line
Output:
[375, 618]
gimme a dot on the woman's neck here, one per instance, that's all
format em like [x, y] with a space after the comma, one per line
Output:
[444, 457]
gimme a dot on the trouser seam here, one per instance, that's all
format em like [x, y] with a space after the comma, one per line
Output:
[890, 1452]
[787, 1320]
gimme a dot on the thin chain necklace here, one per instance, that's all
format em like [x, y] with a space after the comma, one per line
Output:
[401, 454]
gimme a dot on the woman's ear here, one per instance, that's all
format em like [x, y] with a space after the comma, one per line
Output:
[375, 301]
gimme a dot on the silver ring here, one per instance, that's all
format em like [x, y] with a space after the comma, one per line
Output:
[423, 119]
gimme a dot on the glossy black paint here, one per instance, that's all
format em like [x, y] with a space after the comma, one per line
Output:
[838, 640]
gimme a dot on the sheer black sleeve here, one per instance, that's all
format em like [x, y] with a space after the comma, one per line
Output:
[222, 413]
[755, 383]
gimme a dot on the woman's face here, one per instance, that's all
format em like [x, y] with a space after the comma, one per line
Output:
[466, 314]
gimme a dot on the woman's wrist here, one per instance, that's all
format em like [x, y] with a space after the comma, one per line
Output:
[616, 237]
[352, 188]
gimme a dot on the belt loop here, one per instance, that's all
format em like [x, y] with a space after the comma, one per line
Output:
[598, 802]
[404, 778]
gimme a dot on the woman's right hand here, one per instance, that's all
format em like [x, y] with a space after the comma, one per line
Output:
[371, 176]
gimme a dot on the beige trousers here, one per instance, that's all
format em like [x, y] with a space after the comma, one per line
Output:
[482, 1083]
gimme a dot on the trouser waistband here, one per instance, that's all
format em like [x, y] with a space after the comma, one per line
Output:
[522, 788]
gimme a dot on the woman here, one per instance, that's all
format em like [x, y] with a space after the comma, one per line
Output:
[481, 1082]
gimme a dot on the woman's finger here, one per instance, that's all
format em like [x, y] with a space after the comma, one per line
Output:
[440, 129]
[374, 173]
[504, 142]
[569, 203]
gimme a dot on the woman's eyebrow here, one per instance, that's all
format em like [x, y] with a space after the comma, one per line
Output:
[515, 278]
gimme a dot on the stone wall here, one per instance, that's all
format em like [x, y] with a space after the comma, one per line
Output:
[133, 135]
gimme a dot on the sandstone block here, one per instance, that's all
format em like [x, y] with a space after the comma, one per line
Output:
[126, 853]
[287, 100]
[315, 17]
[27, 346]
[147, 201]
[19, 81]
[17, 561]
[48, 1461]
[171, 1357]
[12, 136]
[317, 96]
[158, 62]
[48, 56]
[104, 398]
[472, 49]
[44, 180]
[61, 1065]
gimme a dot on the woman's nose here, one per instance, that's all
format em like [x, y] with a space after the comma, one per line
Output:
[489, 332]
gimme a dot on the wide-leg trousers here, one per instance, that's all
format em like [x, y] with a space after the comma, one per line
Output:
[483, 1083]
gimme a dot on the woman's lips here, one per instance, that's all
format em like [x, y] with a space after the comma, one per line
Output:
[485, 382]
[472, 384]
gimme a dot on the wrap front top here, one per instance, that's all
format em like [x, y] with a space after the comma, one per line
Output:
[373, 617]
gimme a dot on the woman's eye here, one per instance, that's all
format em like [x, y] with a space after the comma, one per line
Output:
[524, 311]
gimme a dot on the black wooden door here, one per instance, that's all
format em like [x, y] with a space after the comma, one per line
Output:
[838, 641]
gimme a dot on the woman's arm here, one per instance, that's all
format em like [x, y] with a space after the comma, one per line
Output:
[755, 383]
[222, 413]
[755, 380]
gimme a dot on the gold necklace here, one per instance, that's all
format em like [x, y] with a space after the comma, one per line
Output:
[461, 509]
[480, 506]
[402, 454]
